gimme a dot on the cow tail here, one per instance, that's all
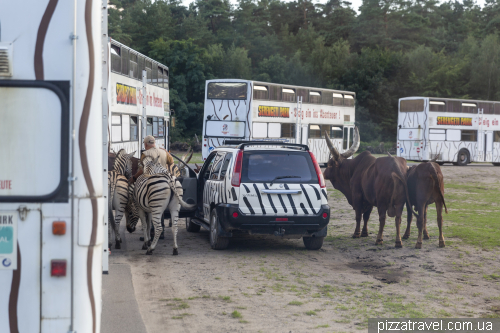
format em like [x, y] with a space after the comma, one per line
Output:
[435, 177]
[401, 178]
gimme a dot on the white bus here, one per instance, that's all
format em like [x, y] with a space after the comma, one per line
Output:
[53, 146]
[125, 99]
[252, 110]
[459, 131]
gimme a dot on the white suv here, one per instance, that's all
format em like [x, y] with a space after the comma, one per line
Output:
[262, 188]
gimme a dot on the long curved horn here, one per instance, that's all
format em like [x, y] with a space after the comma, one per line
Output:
[355, 145]
[189, 157]
[333, 150]
[131, 154]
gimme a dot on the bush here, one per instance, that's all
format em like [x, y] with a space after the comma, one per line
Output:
[376, 147]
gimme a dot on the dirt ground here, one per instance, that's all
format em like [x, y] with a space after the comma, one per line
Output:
[269, 284]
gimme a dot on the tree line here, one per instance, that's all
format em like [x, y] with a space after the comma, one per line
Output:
[390, 49]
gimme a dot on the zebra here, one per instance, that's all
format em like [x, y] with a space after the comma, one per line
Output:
[153, 194]
[132, 216]
[118, 193]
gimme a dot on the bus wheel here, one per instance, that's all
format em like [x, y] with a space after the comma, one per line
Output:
[463, 157]
[496, 164]
[440, 163]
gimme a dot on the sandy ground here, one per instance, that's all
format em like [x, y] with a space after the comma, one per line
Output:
[276, 285]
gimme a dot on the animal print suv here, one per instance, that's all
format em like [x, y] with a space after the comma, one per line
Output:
[262, 188]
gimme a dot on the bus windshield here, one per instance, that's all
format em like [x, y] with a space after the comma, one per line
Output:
[227, 90]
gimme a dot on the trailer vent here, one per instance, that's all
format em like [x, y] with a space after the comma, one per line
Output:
[5, 59]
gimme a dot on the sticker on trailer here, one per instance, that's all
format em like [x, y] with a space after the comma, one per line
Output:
[418, 150]
[8, 240]
[401, 150]
[210, 149]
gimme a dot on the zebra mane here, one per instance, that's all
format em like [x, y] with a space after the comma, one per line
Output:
[123, 165]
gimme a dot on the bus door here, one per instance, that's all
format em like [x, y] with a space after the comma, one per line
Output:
[305, 134]
[348, 137]
[487, 138]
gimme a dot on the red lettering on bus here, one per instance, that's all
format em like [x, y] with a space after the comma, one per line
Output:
[5, 184]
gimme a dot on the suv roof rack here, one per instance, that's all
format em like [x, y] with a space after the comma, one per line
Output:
[241, 144]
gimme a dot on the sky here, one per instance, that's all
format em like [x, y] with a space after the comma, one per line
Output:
[355, 3]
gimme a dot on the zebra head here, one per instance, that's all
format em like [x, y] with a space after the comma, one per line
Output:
[151, 165]
[123, 164]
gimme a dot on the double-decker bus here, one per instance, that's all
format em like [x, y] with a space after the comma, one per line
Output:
[253, 110]
[459, 131]
[53, 173]
[126, 98]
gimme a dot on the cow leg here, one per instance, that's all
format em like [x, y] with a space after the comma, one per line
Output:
[145, 230]
[408, 223]
[156, 220]
[366, 217]
[381, 218]
[439, 211]
[398, 220]
[357, 232]
[426, 234]
[420, 226]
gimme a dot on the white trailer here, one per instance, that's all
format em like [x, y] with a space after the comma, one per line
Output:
[459, 131]
[253, 110]
[53, 136]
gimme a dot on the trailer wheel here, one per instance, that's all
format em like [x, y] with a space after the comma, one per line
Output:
[192, 227]
[463, 157]
[313, 243]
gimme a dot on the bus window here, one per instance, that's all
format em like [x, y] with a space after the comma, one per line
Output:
[327, 98]
[304, 94]
[287, 130]
[338, 99]
[488, 108]
[439, 106]
[345, 137]
[227, 90]
[496, 137]
[116, 64]
[411, 105]
[351, 136]
[149, 128]
[453, 135]
[469, 108]
[347, 117]
[140, 65]
[275, 93]
[124, 62]
[259, 130]
[155, 127]
[161, 128]
[288, 95]
[125, 127]
[134, 134]
[260, 92]
[274, 130]
[497, 108]
[314, 132]
[469, 135]
[165, 78]
[453, 106]
[148, 71]
[348, 100]
[336, 132]
[116, 129]
[133, 71]
[315, 97]
[154, 73]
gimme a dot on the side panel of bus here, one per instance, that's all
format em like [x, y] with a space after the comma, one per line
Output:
[51, 218]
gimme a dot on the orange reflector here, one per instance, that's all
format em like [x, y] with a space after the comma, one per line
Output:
[58, 267]
[282, 219]
[59, 228]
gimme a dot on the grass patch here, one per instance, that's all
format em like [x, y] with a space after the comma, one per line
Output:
[183, 306]
[295, 303]
[323, 326]
[225, 298]
[492, 277]
[236, 314]
[181, 316]
[311, 313]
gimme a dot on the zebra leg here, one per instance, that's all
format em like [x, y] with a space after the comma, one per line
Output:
[111, 224]
[174, 208]
[156, 219]
[145, 230]
[118, 218]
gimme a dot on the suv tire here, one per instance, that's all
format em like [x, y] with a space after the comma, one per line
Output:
[192, 227]
[216, 242]
[313, 243]
[463, 157]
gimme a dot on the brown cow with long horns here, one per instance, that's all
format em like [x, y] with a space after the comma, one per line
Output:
[366, 182]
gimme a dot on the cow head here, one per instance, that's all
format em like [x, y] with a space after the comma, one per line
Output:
[337, 174]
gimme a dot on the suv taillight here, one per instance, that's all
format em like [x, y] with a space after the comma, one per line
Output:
[236, 180]
[321, 180]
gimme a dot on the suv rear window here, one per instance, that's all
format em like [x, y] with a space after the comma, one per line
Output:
[265, 166]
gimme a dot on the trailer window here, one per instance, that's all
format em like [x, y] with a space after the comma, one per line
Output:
[411, 105]
[315, 97]
[227, 90]
[469, 135]
[348, 100]
[496, 136]
[469, 108]
[260, 92]
[288, 130]
[338, 99]
[438, 106]
[288, 95]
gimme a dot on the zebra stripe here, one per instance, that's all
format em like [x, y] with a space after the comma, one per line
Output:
[307, 198]
[246, 188]
[260, 199]
[234, 194]
[291, 200]
[248, 206]
[282, 203]
[270, 200]
[318, 196]
[303, 208]
[324, 193]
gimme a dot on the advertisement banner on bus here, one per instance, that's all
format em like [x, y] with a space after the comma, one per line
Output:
[454, 121]
[126, 94]
[274, 111]
[8, 240]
